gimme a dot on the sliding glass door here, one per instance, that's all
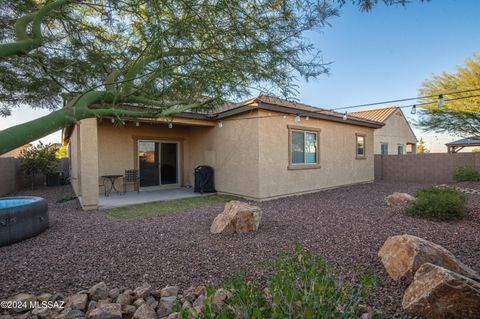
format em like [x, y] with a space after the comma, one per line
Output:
[158, 163]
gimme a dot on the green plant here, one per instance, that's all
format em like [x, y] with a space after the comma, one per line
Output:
[466, 173]
[38, 159]
[444, 203]
[302, 285]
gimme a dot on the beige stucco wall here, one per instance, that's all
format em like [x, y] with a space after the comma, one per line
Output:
[249, 155]
[337, 144]
[233, 152]
[395, 132]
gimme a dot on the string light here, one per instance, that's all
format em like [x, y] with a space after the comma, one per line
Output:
[414, 110]
[220, 124]
[297, 118]
[137, 123]
[441, 101]
[170, 125]
[307, 118]
[113, 120]
[345, 117]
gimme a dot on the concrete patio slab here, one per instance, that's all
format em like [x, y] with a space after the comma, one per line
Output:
[133, 198]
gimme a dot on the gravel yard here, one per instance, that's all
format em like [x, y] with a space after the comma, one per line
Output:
[346, 225]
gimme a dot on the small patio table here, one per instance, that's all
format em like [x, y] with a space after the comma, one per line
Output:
[112, 179]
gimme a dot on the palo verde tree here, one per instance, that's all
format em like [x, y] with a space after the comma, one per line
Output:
[460, 115]
[150, 58]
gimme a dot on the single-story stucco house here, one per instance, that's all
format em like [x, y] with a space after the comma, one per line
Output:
[259, 149]
[396, 136]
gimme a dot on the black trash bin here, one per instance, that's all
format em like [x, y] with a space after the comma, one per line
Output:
[204, 180]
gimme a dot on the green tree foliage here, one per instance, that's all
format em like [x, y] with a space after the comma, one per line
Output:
[150, 58]
[461, 117]
[38, 159]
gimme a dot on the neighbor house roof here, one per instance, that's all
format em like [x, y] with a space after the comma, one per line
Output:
[469, 141]
[379, 115]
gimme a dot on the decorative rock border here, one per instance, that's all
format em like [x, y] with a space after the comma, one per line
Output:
[143, 302]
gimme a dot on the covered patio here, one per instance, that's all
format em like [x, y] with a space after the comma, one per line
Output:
[456, 146]
[133, 198]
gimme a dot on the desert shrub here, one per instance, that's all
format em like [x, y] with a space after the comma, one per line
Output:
[438, 203]
[38, 159]
[302, 285]
[466, 174]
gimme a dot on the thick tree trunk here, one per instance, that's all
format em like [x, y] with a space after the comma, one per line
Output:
[22, 134]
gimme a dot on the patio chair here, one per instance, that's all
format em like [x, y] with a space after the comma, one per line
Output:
[131, 177]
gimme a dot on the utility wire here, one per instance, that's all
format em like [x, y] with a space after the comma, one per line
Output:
[403, 100]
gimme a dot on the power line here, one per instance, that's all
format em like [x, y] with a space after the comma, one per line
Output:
[403, 100]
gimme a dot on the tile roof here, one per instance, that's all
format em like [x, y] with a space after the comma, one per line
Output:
[303, 109]
[378, 115]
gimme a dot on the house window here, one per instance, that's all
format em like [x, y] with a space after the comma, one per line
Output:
[360, 147]
[384, 148]
[400, 149]
[303, 148]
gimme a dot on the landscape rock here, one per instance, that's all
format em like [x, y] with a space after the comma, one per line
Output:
[152, 302]
[199, 302]
[129, 310]
[437, 292]
[169, 291]
[56, 297]
[106, 311]
[91, 305]
[44, 297]
[402, 255]
[399, 199]
[113, 293]
[124, 298]
[77, 301]
[137, 303]
[41, 312]
[239, 217]
[75, 313]
[174, 315]
[220, 296]
[145, 312]
[143, 291]
[98, 292]
[165, 306]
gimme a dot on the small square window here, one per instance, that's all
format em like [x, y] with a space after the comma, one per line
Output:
[384, 148]
[400, 149]
[303, 148]
[360, 147]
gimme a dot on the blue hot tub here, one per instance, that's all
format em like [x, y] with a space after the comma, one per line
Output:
[21, 218]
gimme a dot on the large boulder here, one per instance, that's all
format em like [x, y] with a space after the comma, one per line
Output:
[402, 255]
[237, 217]
[399, 199]
[437, 292]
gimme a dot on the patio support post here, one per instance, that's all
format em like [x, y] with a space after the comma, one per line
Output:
[88, 164]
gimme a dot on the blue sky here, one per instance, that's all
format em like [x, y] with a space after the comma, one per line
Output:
[386, 54]
[381, 55]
